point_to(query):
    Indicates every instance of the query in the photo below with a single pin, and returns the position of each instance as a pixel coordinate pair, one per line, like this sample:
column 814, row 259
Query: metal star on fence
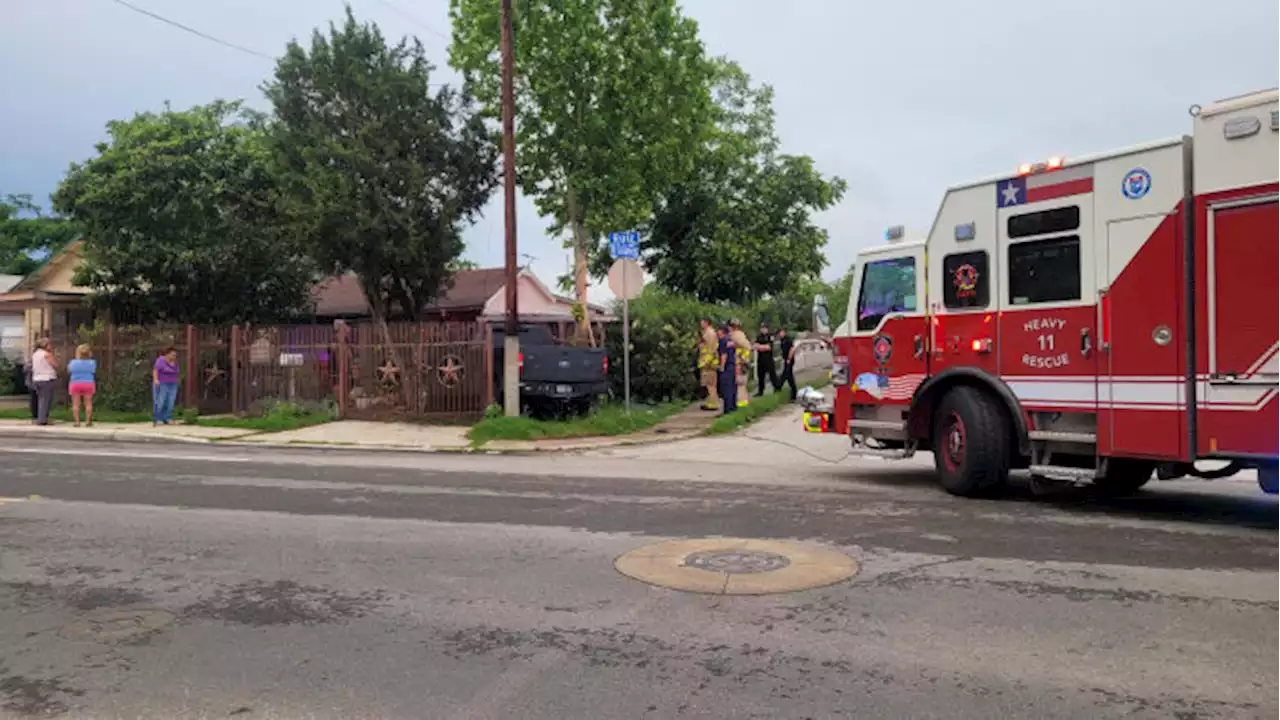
column 388, row 373
column 450, row 372
column 212, row 373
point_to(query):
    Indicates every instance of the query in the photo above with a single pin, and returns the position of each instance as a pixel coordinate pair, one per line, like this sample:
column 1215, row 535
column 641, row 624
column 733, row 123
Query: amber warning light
column 1054, row 163
column 981, row 345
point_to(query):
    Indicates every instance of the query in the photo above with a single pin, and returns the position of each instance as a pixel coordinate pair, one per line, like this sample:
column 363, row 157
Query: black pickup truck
column 554, row 379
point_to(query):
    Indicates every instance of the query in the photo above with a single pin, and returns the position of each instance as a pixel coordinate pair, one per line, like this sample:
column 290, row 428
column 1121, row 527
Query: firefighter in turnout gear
column 742, row 346
column 708, row 363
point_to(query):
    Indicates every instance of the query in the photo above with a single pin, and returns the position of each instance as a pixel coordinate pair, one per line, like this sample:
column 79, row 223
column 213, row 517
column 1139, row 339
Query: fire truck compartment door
column 1243, row 253
column 1141, row 383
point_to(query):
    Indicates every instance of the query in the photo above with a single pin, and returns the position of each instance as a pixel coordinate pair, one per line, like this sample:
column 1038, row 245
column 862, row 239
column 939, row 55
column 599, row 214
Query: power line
column 192, row 30
column 411, row 18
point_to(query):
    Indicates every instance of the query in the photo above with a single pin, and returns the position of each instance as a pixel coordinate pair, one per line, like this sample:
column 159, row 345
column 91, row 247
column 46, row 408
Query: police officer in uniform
column 742, row 346
column 727, row 366
column 708, row 363
column 787, row 347
column 764, row 361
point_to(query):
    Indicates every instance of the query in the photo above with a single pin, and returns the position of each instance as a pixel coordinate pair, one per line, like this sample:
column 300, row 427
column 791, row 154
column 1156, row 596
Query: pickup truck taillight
column 604, row 364
column 840, row 371
column 520, row 361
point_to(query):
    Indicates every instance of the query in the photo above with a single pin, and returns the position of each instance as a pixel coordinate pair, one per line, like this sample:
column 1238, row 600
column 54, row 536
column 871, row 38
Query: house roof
column 34, row 281
column 470, row 289
column 8, row 282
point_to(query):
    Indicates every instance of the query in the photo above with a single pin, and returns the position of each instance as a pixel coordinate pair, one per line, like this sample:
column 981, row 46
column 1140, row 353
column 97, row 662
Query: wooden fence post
column 234, row 369
column 111, row 350
column 344, row 367
column 488, row 365
column 192, row 399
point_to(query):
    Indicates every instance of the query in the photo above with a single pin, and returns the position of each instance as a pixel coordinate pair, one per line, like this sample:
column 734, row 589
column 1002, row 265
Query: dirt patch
column 35, row 697
column 77, row 596
column 97, row 598
column 282, row 603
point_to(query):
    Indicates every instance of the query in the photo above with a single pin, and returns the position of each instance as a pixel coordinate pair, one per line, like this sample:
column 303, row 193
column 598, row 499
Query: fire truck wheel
column 971, row 443
column 1124, row 476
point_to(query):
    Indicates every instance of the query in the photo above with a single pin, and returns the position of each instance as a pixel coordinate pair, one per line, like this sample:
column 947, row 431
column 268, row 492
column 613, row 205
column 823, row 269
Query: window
column 964, row 280
column 1043, row 271
column 1046, row 221
column 888, row 286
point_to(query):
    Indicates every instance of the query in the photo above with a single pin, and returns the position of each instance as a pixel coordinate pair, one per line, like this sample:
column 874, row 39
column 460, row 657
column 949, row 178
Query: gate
column 438, row 371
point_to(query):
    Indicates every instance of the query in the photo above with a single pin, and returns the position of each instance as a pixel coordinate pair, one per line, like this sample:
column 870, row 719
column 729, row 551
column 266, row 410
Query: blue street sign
column 624, row 244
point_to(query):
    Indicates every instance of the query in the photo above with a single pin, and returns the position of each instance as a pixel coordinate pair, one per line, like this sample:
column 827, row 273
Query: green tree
column 738, row 228
column 379, row 174
column 612, row 97
column 180, row 219
column 28, row 237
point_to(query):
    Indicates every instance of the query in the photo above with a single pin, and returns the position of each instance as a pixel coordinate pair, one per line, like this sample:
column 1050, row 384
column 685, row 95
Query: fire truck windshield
column 888, row 286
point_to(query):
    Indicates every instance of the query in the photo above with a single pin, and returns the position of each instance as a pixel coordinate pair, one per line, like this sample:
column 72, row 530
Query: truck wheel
column 971, row 443
column 1124, row 476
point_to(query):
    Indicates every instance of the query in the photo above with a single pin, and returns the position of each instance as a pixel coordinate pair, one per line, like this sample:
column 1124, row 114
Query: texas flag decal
column 1076, row 180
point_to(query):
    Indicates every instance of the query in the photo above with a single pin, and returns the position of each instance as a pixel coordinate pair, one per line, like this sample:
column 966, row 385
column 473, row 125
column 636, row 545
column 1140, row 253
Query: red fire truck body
column 1100, row 318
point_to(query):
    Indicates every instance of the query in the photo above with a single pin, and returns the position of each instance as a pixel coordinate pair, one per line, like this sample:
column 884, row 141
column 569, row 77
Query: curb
column 107, row 436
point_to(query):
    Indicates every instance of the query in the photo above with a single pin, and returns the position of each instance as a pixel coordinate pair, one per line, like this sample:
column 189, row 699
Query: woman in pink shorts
column 82, row 371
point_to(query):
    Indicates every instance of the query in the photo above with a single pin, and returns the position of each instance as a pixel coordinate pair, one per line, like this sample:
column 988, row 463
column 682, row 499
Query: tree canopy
column 612, row 97
column 739, row 226
column 378, row 173
column 28, row 237
column 180, row 220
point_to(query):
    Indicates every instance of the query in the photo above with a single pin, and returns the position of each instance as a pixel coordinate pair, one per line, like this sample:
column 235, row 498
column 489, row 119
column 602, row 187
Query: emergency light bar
column 894, row 233
column 1054, row 163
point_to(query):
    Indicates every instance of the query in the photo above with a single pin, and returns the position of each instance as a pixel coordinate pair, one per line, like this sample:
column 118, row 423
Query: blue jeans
column 163, row 396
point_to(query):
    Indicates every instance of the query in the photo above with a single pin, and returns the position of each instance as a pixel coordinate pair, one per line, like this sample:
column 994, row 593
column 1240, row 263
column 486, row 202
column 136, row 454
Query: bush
column 664, row 337
column 11, row 380
column 285, row 410
column 128, row 387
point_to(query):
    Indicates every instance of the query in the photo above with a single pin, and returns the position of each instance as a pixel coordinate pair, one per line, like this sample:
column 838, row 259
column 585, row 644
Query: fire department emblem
column 1136, row 183
column 965, row 280
column 882, row 349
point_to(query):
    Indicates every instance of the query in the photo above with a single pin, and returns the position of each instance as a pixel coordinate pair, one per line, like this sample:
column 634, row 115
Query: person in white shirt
column 44, row 372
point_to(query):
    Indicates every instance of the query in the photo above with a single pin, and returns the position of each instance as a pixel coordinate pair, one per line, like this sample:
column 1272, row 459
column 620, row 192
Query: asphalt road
column 147, row 581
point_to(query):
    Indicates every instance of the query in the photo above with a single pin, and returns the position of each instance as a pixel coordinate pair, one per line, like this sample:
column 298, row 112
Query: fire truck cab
column 1096, row 319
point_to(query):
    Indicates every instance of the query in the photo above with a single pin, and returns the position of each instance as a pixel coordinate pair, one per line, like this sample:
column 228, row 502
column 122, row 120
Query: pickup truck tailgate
column 554, row 364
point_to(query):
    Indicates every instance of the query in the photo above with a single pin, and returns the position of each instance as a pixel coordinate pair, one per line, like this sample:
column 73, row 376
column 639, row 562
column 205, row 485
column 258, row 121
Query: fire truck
column 1094, row 319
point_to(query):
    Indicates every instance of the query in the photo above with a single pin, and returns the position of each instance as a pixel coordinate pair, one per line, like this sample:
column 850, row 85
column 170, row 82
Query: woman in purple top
column 164, row 386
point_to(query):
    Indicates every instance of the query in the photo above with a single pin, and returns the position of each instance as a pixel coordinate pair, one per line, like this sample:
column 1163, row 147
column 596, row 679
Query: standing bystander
column 44, row 372
column 82, row 371
column 164, row 386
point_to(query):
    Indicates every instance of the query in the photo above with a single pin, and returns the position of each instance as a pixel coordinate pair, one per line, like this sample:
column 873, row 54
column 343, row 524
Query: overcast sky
column 899, row 98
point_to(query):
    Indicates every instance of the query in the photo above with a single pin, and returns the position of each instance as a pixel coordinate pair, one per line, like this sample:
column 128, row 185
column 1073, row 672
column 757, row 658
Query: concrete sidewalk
column 374, row 435
column 137, row 432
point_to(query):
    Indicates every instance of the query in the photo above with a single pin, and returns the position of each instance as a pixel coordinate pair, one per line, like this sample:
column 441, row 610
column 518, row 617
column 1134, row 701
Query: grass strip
column 608, row 420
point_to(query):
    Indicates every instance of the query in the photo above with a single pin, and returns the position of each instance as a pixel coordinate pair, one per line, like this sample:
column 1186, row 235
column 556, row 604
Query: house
column 473, row 295
column 43, row 302
column 11, row 335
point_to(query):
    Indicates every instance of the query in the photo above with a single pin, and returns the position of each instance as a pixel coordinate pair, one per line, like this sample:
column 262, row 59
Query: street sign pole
column 626, row 278
column 626, row 348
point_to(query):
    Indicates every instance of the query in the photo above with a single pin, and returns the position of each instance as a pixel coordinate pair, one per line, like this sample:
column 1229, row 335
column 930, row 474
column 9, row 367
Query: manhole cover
column 116, row 626
column 730, row 566
column 737, row 561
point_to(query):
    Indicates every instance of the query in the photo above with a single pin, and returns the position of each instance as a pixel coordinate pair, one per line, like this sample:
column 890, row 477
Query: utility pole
column 511, row 339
